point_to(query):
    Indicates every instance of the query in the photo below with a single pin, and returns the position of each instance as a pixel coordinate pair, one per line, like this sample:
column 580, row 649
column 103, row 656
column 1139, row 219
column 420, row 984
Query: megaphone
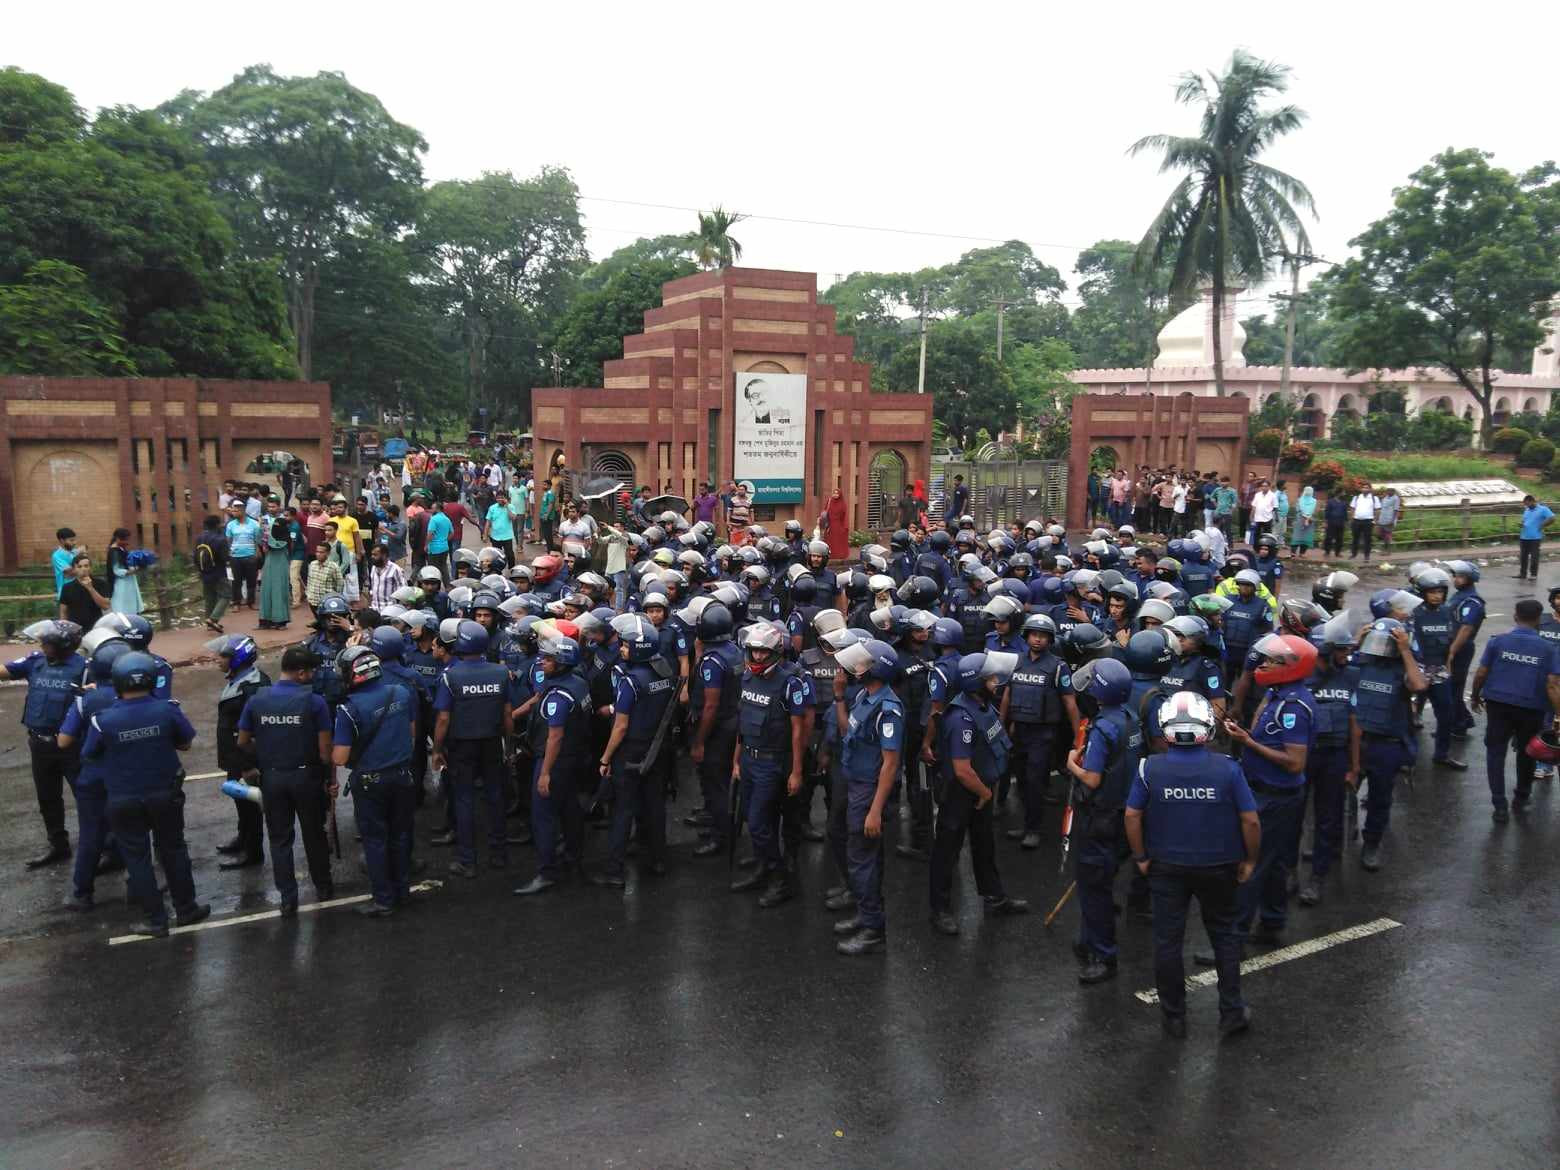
column 238, row 790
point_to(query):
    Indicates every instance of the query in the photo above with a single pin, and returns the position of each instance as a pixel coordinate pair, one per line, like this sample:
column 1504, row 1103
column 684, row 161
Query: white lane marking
column 1297, row 950
column 309, row 908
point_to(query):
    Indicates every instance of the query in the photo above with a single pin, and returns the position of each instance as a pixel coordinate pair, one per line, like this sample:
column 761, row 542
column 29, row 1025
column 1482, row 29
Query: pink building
column 1185, row 366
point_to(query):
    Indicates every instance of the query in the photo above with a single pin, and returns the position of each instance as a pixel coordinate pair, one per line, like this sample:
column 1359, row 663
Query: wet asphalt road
column 679, row 1025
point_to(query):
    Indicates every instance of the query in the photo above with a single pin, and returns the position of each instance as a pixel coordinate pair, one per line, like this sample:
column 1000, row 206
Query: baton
column 1067, row 813
column 1060, row 902
column 335, row 833
column 734, row 827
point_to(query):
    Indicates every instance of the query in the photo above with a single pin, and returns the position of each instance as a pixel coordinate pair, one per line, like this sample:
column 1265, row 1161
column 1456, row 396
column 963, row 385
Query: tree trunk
column 300, row 315
column 1218, row 294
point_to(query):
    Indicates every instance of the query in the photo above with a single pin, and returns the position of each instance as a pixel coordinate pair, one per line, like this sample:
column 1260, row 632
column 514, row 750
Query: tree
column 1315, row 335
column 50, row 323
column 1009, row 272
column 971, row 390
column 300, row 164
column 648, row 250
column 124, row 199
column 716, row 247
column 506, row 253
column 592, row 329
column 1460, row 270
column 1122, row 313
column 1231, row 213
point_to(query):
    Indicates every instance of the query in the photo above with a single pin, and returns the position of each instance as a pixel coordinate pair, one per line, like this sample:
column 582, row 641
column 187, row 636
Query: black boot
column 779, row 891
column 748, row 881
column 848, row 926
column 244, row 861
column 58, row 851
column 863, row 942
column 1099, row 970
column 231, row 846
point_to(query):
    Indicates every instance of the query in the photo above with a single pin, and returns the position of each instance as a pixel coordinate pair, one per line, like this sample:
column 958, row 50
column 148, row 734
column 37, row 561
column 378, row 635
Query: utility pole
column 1001, row 309
column 920, row 379
column 1296, row 261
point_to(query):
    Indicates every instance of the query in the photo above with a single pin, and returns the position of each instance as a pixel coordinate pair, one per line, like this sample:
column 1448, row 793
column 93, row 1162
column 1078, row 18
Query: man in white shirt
column 1178, row 508
column 1263, row 501
column 1362, row 511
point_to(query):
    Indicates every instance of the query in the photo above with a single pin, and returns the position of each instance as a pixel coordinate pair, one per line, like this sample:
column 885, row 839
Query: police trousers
column 296, row 795
column 472, row 761
column 52, row 768
column 1381, row 758
column 140, row 823
column 764, row 779
column 1282, row 814
column 715, row 781
column 557, row 815
column 956, row 817
column 838, row 831
column 1033, row 750
column 864, row 855
column 92, row 838
column 1099, row 844
column 1443, row 703
column 797, row 810
column 918, row 791
column 1215, row 887
column 1325, row 768
column 637, row 797
column 1509, row 726
column 1462, row 662
column 385, row 807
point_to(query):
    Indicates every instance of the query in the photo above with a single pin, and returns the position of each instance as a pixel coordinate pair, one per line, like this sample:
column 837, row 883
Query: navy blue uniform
column 235, row 761
column 1517, row 702
column 644, row 693
column 1285, row 718
column 556, row 818
column 970, row 729
column 1244, row 623
column 1192, row 801
column 876, row 725
column 766, row 705
column 1387, row 745
column 92, row 837
column 1332, row 693
column 1432, row 628
column 719, row 669
column 967, row 607
column 913, row 687
column 51, row 688
column 1467, row 610
column 377, row 721
column 286, row 721
column 475, row 693
column 1114, row 749
column 137, row 741
column 1037, row 717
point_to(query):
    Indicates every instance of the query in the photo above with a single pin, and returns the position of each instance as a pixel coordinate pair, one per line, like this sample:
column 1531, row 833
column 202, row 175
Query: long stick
column 1079, row 740
column 1060, row 902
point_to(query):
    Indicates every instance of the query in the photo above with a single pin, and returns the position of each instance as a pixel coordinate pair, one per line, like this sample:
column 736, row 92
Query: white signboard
column 770, row 448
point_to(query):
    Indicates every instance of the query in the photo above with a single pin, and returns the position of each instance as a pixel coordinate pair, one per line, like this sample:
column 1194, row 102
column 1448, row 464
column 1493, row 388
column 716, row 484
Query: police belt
column 391, row 773
column 1267, row 789
column 764, row 754
column 42, row 736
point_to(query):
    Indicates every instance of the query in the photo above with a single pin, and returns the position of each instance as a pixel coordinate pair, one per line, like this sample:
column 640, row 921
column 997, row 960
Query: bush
column 1296, row 457
column 1435, row 430
column 1510, row 440
column 1324, row 474
column 1267, row 443
column 1553, row 472
column 1536, row 453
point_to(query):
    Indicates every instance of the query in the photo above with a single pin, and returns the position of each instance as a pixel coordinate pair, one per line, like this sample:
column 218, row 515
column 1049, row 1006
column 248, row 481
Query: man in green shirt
column 1224, row 501
column 548, row 515
column 498, row 526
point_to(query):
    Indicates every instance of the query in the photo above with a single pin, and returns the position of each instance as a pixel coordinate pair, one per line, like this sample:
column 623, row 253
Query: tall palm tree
column 714, row 245
column 1229, row 215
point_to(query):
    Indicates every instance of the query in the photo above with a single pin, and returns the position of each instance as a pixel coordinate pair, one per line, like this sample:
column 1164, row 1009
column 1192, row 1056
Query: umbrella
column 597, row 487
column 658, row 504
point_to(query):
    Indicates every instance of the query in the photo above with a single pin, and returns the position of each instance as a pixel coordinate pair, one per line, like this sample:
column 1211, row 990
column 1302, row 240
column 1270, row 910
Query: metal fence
column 1003, row 490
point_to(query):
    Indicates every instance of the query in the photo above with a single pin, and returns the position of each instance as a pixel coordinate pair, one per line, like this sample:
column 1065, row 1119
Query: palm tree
column 714, row 245
column 1229, row 215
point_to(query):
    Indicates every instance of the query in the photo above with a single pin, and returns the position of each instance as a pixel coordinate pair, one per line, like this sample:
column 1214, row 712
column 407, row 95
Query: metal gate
column 1005, row 490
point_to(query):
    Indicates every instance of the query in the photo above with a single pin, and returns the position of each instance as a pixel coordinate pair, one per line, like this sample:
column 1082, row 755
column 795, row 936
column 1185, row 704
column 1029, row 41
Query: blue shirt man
column 1535, row 517
column 243, row 537
column 1519, row 681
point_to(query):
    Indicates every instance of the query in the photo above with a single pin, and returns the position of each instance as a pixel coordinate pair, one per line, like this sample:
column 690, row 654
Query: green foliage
column 1122, row 313
column 1296, row 457
column 301, row 164
column 971, row 390
column 1278, row 412
column 1324, row 473
column 1381, row 430
column 592, row 329
column 713, row 243
column 1231, row 213
column 1510, row 440
column 1435, row 430
column 1314, row 332
column 50, row 323
column 1536, row 453
column 1267, row 443
column 1455, row 275
column 1380, row 468
column 1045, row 395
column 648, row 250
column 1553, row 472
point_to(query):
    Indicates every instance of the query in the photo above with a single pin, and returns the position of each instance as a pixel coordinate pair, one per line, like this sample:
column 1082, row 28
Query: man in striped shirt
column 385, row 577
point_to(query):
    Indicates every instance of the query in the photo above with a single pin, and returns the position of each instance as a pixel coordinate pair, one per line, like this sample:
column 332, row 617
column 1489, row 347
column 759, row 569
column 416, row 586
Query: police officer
column 871, row 740
column 289, row 729
column 559, row 730
column 1331, row 768
column 375, row 724
column 1468, row 612
column 1192, row 826
column 53, row 675
column 967, row 606
column 241, row 664
column 1432, row 624
column 137, row 740
column 972, row 754
column 1248, row 618
column 713, row 702
column 471, row 717
column 1274, row 754
column 1037, row 705
column 1191, row 667
column 92, row 836
column 1384, row 742
column 333, row 626
column 1518, row 680
column 912, row 687
column 137, row 633
column 1103, row 769
column 638, row 751
column 772, row 707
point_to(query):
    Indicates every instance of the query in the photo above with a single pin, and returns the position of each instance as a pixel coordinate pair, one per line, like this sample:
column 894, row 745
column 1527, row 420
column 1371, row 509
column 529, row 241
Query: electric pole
column 1296, row 261
column 1001, row 310
column 920, row 379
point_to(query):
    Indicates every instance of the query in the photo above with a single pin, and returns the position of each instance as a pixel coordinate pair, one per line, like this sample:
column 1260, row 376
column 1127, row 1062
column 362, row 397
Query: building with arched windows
column 740, row 375
column 1184, row 365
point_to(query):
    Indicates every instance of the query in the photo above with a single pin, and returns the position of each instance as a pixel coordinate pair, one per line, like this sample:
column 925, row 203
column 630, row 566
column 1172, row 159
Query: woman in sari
column 127, row 591
column 1305, row 524
column 838, row 525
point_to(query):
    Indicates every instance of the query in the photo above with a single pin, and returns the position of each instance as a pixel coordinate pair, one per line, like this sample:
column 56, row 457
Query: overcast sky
column 941, row 121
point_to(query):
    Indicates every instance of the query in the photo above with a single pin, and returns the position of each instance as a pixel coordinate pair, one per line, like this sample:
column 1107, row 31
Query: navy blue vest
column 1334, row 692
column 390, row 745
column 762, row 718
column 98, row 699
column 286, row 739
column 1033, row 691
column 1434, row 628
column 653, row 690
column 50, row 689
column 991, row 743
column 575, row 747
column 861, row 753
column 1381, row 699
column 1121, row 762
column 479, row 692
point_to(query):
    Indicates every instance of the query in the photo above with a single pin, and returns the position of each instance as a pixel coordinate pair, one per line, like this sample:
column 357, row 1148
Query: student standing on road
column 1518, row 680
column 1536, row 518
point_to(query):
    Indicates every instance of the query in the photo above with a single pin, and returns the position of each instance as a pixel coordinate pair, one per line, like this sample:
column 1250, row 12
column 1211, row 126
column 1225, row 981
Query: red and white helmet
column 1187, row 719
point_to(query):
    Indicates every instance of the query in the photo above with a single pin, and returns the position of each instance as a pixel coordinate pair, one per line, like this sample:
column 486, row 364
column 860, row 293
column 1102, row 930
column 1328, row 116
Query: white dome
column 1186, row 339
